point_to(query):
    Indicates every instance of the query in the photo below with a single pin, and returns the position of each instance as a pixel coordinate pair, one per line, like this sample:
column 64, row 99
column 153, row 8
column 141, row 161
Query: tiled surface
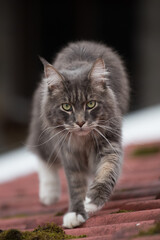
column 138, row 192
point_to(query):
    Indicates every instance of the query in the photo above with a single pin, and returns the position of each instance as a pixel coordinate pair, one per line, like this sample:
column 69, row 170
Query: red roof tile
column 137, row 192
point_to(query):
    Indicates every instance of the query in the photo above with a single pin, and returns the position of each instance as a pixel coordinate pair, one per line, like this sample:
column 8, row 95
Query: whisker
column 112, row 118
column 55, row 146
column 63, row 140
column 110, row 130
column 47, row 130
column 107, row 141
column 69, row 141
column 95, row 139
column 48, row 139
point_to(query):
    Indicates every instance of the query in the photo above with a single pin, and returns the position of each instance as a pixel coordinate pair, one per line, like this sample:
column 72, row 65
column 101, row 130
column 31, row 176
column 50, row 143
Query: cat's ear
column 99, row 73
column 51, row 74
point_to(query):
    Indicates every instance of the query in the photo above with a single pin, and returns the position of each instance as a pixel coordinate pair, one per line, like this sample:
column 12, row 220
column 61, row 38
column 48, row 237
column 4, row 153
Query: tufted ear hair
column 99, row 73
column 52, row 76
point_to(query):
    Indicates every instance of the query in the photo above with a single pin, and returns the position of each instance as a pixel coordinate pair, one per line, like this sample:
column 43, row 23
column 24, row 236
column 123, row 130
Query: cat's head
column 77, row 99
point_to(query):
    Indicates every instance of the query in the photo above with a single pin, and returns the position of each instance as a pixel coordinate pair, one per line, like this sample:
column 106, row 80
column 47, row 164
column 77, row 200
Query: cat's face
column 78, row 105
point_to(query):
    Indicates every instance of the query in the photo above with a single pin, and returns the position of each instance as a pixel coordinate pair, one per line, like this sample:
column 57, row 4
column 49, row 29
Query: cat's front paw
column 89, row 206
column 72, row 219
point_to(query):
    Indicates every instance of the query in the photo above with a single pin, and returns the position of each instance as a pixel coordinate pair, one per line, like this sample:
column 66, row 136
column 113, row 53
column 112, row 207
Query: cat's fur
column 87, row 142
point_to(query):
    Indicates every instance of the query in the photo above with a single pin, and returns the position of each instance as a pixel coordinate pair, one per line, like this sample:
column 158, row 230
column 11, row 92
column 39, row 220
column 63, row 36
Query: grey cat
column 76, row 123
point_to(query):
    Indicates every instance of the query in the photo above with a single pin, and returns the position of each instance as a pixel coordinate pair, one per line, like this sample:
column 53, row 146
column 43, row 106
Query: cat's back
column 81, row 51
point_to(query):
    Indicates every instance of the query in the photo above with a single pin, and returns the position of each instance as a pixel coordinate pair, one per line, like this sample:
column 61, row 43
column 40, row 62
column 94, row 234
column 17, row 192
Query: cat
column 76, row 123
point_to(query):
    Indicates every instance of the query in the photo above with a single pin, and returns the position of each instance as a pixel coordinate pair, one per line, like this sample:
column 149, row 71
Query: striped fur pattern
column 85, row 141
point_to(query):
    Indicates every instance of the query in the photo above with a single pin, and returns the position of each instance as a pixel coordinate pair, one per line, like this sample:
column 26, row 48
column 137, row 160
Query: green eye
column 67, row 106
column 91, row 104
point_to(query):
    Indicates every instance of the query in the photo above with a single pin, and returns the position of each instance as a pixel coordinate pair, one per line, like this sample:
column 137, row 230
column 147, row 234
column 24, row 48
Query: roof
column 134, row 205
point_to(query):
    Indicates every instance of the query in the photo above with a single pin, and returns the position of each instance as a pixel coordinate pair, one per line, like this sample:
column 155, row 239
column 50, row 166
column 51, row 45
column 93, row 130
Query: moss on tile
column 151, row 231
column 145, row 151
column 46, row 232
column 11, row 234
column 122, row 211
column 21, row 215
column 57, row 214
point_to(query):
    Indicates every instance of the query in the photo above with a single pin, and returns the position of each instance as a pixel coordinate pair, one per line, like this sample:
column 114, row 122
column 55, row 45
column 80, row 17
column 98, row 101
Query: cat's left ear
column 99, row 73
column 51, row 74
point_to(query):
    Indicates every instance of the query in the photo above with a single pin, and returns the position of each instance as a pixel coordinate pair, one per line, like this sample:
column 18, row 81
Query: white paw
column 48, row 194
column 72, row 219
column 49, row 184
column 90, row 207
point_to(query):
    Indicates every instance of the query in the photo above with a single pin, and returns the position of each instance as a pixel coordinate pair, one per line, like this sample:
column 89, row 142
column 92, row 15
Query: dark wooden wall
column 31, row 28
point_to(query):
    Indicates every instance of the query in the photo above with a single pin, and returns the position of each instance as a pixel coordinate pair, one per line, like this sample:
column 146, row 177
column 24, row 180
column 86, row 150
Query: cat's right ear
column 99, row 74
column 52, row 76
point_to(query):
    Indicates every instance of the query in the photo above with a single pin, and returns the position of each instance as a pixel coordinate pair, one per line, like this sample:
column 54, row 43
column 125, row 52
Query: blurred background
column 32, row 28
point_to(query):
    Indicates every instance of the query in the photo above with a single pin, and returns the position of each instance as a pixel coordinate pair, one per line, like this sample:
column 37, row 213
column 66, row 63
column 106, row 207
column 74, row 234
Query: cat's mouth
column 82, row 132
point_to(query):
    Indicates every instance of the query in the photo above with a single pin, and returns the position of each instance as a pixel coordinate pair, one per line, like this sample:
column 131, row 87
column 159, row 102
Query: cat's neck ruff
column 81, row 141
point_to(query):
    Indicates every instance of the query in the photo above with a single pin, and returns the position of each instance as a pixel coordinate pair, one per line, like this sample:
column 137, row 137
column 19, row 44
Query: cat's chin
column 82, row 132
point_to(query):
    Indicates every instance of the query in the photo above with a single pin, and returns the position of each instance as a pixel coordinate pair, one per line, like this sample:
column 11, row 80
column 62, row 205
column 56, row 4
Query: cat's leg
column 77, row 184
column 49, row 183
column 108, row 171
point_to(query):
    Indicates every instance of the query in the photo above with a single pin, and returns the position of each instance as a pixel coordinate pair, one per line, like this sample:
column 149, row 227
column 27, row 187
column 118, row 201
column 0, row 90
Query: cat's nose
column 80, row 123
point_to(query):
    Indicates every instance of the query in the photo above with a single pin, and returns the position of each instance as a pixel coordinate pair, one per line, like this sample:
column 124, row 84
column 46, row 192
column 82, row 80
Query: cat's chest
column 82, row 144
column 84, row 151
